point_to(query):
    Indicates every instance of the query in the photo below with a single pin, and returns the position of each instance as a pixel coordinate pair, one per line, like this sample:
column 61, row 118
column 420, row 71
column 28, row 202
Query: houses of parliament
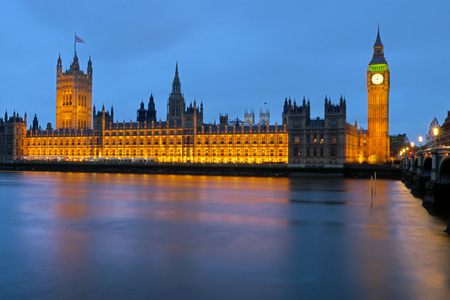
column 83, row 132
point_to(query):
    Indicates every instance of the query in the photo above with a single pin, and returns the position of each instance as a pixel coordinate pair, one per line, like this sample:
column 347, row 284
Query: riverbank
column 263, row 170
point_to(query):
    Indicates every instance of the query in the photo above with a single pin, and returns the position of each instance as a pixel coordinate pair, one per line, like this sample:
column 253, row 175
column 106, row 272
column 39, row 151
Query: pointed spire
column 378, row 51
column 176, row 85
column 378, row 42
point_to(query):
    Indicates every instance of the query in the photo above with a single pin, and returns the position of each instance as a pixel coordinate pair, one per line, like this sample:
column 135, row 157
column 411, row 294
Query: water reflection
column 90, row 236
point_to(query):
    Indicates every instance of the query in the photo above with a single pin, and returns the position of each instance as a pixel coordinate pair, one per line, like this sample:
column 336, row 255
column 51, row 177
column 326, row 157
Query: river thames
column 125, row 236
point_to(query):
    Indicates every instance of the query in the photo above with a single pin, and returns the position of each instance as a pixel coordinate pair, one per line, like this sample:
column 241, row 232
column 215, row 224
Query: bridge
column 427, row 173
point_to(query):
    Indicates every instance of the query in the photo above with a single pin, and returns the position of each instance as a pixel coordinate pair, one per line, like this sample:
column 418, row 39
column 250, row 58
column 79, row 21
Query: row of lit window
column 314, row 139
column 67, row 99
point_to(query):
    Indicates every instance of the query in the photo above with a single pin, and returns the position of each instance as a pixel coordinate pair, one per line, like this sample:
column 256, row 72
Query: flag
column 78, row 40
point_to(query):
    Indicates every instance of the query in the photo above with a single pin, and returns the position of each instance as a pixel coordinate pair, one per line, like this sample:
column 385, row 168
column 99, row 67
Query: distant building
column 223, row 120
column 398, row 143
column 13, row 131
column 249, row 117
column 237, row 122
column 430, row 138
column 443, row 137
column 264, row 117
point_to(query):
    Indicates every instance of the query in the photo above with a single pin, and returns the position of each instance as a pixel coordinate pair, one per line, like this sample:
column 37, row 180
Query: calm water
column 113, row 236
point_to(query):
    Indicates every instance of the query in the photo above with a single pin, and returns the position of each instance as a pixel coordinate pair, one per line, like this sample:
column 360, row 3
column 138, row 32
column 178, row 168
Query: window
column 333, row 151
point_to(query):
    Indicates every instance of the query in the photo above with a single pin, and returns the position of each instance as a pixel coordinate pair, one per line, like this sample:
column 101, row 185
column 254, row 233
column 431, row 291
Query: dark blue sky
column 232, row 55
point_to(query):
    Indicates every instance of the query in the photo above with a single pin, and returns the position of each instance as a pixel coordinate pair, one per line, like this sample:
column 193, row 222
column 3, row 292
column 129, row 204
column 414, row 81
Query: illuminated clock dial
column 377, row 78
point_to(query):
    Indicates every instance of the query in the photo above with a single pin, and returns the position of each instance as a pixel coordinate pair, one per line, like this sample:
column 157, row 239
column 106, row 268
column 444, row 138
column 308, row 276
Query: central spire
column 176, row 85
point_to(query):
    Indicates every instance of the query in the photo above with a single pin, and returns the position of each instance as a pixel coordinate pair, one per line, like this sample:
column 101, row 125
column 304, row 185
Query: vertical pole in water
column 375, row 183
column 371, row 191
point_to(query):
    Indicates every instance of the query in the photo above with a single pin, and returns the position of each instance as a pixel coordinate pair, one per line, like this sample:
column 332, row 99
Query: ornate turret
column 59, row 65
column 89, row 68
column 35, row 123
column 75, row 65
column 141, row 113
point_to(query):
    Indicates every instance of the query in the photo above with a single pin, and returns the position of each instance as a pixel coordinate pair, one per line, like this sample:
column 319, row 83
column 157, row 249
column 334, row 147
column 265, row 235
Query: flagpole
column 75, row 45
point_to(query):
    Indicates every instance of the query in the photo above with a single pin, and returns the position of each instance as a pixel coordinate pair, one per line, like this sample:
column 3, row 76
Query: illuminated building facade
column 82, row 133
column 161, row 141
column 378, row 84
column 73, row 96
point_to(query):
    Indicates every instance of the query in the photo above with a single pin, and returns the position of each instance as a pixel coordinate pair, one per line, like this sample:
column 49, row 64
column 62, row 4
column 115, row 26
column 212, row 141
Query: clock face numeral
column 377, row 78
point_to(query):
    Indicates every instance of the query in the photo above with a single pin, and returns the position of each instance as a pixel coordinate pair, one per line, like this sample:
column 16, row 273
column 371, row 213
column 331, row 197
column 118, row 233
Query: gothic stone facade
column 184, row 137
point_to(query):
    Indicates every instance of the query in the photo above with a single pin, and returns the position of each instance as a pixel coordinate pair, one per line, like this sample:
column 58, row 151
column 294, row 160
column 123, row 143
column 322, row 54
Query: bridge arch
column 415, row 165
column 427, row 166
column 444, row 170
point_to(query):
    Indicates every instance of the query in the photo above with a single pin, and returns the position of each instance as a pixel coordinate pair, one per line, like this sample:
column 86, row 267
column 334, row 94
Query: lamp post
column 435, row 132
column 420, row 141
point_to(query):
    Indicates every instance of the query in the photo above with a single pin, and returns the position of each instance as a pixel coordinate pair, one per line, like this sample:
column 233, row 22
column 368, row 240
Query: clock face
column 377, row 78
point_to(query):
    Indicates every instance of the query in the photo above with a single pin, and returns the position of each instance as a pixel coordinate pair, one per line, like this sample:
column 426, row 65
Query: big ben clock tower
column 378, row 104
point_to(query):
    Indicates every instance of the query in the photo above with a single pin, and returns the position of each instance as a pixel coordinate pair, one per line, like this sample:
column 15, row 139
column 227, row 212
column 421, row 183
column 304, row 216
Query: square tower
column 73, row 96
column 378, row 83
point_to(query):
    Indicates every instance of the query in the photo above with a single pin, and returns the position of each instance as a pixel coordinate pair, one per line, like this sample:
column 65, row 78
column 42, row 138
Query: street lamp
column 420, row 141
column 435, row 132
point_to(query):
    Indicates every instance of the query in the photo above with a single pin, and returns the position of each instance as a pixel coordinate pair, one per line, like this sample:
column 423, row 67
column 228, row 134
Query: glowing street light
column 420, row 140
column 435, row 132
